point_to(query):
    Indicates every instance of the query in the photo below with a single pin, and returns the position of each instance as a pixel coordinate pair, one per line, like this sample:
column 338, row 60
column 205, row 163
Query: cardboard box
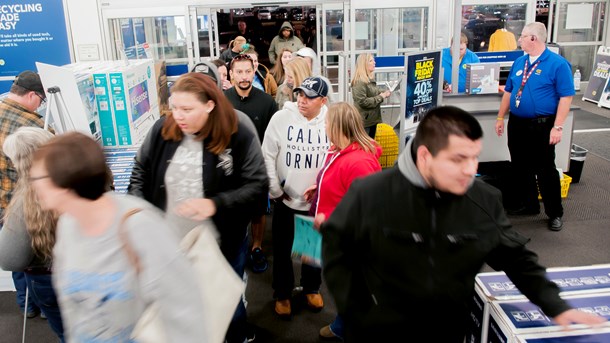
column 514, row 318
column 128, row 102
column 597, row 335
column 482, row 78
column 496, row 286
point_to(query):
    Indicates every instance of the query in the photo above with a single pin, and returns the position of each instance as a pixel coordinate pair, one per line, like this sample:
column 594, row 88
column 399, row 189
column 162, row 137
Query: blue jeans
column 43, row 295
column 337, row 326
column 20, row 286
column 237, row 256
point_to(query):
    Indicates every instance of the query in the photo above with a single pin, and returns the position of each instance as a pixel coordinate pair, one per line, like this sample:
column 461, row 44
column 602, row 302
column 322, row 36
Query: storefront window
column 150, row 37
column 414, row 28
column 493, row 27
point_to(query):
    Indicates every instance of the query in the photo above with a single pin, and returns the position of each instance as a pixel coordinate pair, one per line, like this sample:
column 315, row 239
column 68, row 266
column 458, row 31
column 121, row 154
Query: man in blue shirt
column 538, row 92
column 466, row 57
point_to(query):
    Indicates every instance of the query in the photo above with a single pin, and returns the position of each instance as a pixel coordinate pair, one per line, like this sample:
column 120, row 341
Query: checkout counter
column 485, row 108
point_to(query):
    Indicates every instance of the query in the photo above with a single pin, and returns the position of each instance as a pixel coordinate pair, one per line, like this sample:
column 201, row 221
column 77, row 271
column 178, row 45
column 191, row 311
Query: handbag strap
column 132, row 256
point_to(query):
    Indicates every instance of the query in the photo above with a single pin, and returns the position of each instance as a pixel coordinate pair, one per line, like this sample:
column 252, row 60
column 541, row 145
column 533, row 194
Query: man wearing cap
column 294, row 146
column 16, row 110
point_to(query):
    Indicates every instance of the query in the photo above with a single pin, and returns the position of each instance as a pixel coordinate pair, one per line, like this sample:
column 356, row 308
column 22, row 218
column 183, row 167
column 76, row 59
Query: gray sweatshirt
column 99, row 293
column 16, row 251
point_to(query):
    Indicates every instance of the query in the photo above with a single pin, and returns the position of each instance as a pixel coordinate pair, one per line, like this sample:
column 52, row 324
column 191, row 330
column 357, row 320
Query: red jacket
column 340, row 169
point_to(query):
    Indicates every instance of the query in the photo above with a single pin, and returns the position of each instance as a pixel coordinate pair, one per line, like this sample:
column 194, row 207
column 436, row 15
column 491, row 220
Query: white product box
column 482, row 78
column 128, row 103
column 496, row 286
column 596, row 335
column 513, row 318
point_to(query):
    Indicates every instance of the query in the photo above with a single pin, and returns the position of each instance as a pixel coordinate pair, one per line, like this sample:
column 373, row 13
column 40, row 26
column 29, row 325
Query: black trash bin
column 578, row 155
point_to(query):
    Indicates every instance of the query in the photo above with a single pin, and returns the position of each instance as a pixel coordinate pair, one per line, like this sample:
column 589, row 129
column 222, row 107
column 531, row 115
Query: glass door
column 579, row 29
column 332, row 44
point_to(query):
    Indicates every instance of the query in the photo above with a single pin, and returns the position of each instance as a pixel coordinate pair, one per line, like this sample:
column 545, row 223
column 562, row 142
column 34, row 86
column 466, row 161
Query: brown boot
column 282, row 308
column 315, row 302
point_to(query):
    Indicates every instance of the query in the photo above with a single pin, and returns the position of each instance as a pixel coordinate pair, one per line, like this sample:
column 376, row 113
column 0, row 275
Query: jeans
column 337, row 326
column 43, row 295
column 20, row 286
column 236, row 256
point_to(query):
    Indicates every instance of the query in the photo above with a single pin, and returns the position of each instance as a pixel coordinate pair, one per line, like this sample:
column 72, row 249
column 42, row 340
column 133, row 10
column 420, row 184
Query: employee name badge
column 517, row 101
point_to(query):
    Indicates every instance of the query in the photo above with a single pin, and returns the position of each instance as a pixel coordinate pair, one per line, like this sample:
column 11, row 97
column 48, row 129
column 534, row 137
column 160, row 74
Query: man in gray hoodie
column 285, row 39
column 409, row 241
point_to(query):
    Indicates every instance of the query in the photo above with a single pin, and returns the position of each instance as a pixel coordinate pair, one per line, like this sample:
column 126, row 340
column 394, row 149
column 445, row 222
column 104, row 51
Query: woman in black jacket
column 203, row 167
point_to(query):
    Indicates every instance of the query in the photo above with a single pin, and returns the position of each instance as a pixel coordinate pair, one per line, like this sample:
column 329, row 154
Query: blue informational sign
column 32, row 31
column 423, row 74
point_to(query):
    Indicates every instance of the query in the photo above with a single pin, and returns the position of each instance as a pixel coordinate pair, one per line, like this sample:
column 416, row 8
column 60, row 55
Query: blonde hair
column 238, row 40
column 40, row 224
column 362, row 73
column 345, row 125
column 300, row 71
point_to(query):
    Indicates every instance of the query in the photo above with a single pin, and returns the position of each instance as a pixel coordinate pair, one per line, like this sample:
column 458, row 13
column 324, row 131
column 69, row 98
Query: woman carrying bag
column 201, row 166
column 101, row 295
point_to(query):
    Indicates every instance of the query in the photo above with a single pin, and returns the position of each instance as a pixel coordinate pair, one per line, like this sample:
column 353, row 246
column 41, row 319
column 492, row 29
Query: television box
column 133, row 107
column 597, row 335
column 513, row 318
column 482, row 78
column 497, row 286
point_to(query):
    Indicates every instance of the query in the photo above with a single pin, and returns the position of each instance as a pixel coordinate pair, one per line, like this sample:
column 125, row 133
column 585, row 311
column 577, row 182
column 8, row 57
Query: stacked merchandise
column 482, row 78
column 86, row 90
column 388, row 140
column 120, row 161
column 127, row 102
column 500, row 310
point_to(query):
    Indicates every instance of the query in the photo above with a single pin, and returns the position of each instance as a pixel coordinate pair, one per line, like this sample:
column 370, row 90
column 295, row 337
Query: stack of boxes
column 500, row 313
column 122, row 102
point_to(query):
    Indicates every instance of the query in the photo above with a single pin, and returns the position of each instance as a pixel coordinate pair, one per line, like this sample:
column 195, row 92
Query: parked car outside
column 264, row 14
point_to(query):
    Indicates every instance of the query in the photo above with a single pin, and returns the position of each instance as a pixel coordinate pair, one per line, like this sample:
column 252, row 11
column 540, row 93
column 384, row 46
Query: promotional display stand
column 599, row 76
column 422, row 90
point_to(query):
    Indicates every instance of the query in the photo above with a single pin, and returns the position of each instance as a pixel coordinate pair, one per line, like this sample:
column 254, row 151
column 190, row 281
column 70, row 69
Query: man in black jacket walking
column 259, row 106
column 402, row 249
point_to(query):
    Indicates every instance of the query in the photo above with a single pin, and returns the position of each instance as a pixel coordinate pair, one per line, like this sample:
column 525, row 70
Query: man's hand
column 499, row 127
column 578, row 317
column 555, row 136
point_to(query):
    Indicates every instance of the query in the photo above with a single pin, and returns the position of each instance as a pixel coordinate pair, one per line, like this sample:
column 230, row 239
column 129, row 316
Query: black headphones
column 533, row 38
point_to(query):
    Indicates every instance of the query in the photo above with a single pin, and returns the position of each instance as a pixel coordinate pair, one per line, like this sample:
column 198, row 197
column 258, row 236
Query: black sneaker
column 258, row 261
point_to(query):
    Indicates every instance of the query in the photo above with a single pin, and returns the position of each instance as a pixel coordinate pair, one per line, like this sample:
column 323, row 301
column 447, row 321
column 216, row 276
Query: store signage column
column 31, row 31
column 422, row 80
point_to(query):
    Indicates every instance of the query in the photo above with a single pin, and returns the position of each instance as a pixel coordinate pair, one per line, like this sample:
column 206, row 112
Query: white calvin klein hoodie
column 294, row 150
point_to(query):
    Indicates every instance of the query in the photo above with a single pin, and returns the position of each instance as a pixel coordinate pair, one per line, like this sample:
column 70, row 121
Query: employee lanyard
column 526, row 76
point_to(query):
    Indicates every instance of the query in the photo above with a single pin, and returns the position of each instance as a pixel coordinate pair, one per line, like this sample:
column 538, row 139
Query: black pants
column 533, row 159
column 282, row 229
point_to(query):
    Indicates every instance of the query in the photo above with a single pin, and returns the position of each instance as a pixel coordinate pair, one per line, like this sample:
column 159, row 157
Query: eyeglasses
column 42, row 99
column 36, row 178
column 242, row 57
column 525, row 36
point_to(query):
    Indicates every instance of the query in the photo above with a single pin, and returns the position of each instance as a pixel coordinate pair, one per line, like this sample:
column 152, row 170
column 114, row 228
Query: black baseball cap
column 313, row 87
column 31, row 81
